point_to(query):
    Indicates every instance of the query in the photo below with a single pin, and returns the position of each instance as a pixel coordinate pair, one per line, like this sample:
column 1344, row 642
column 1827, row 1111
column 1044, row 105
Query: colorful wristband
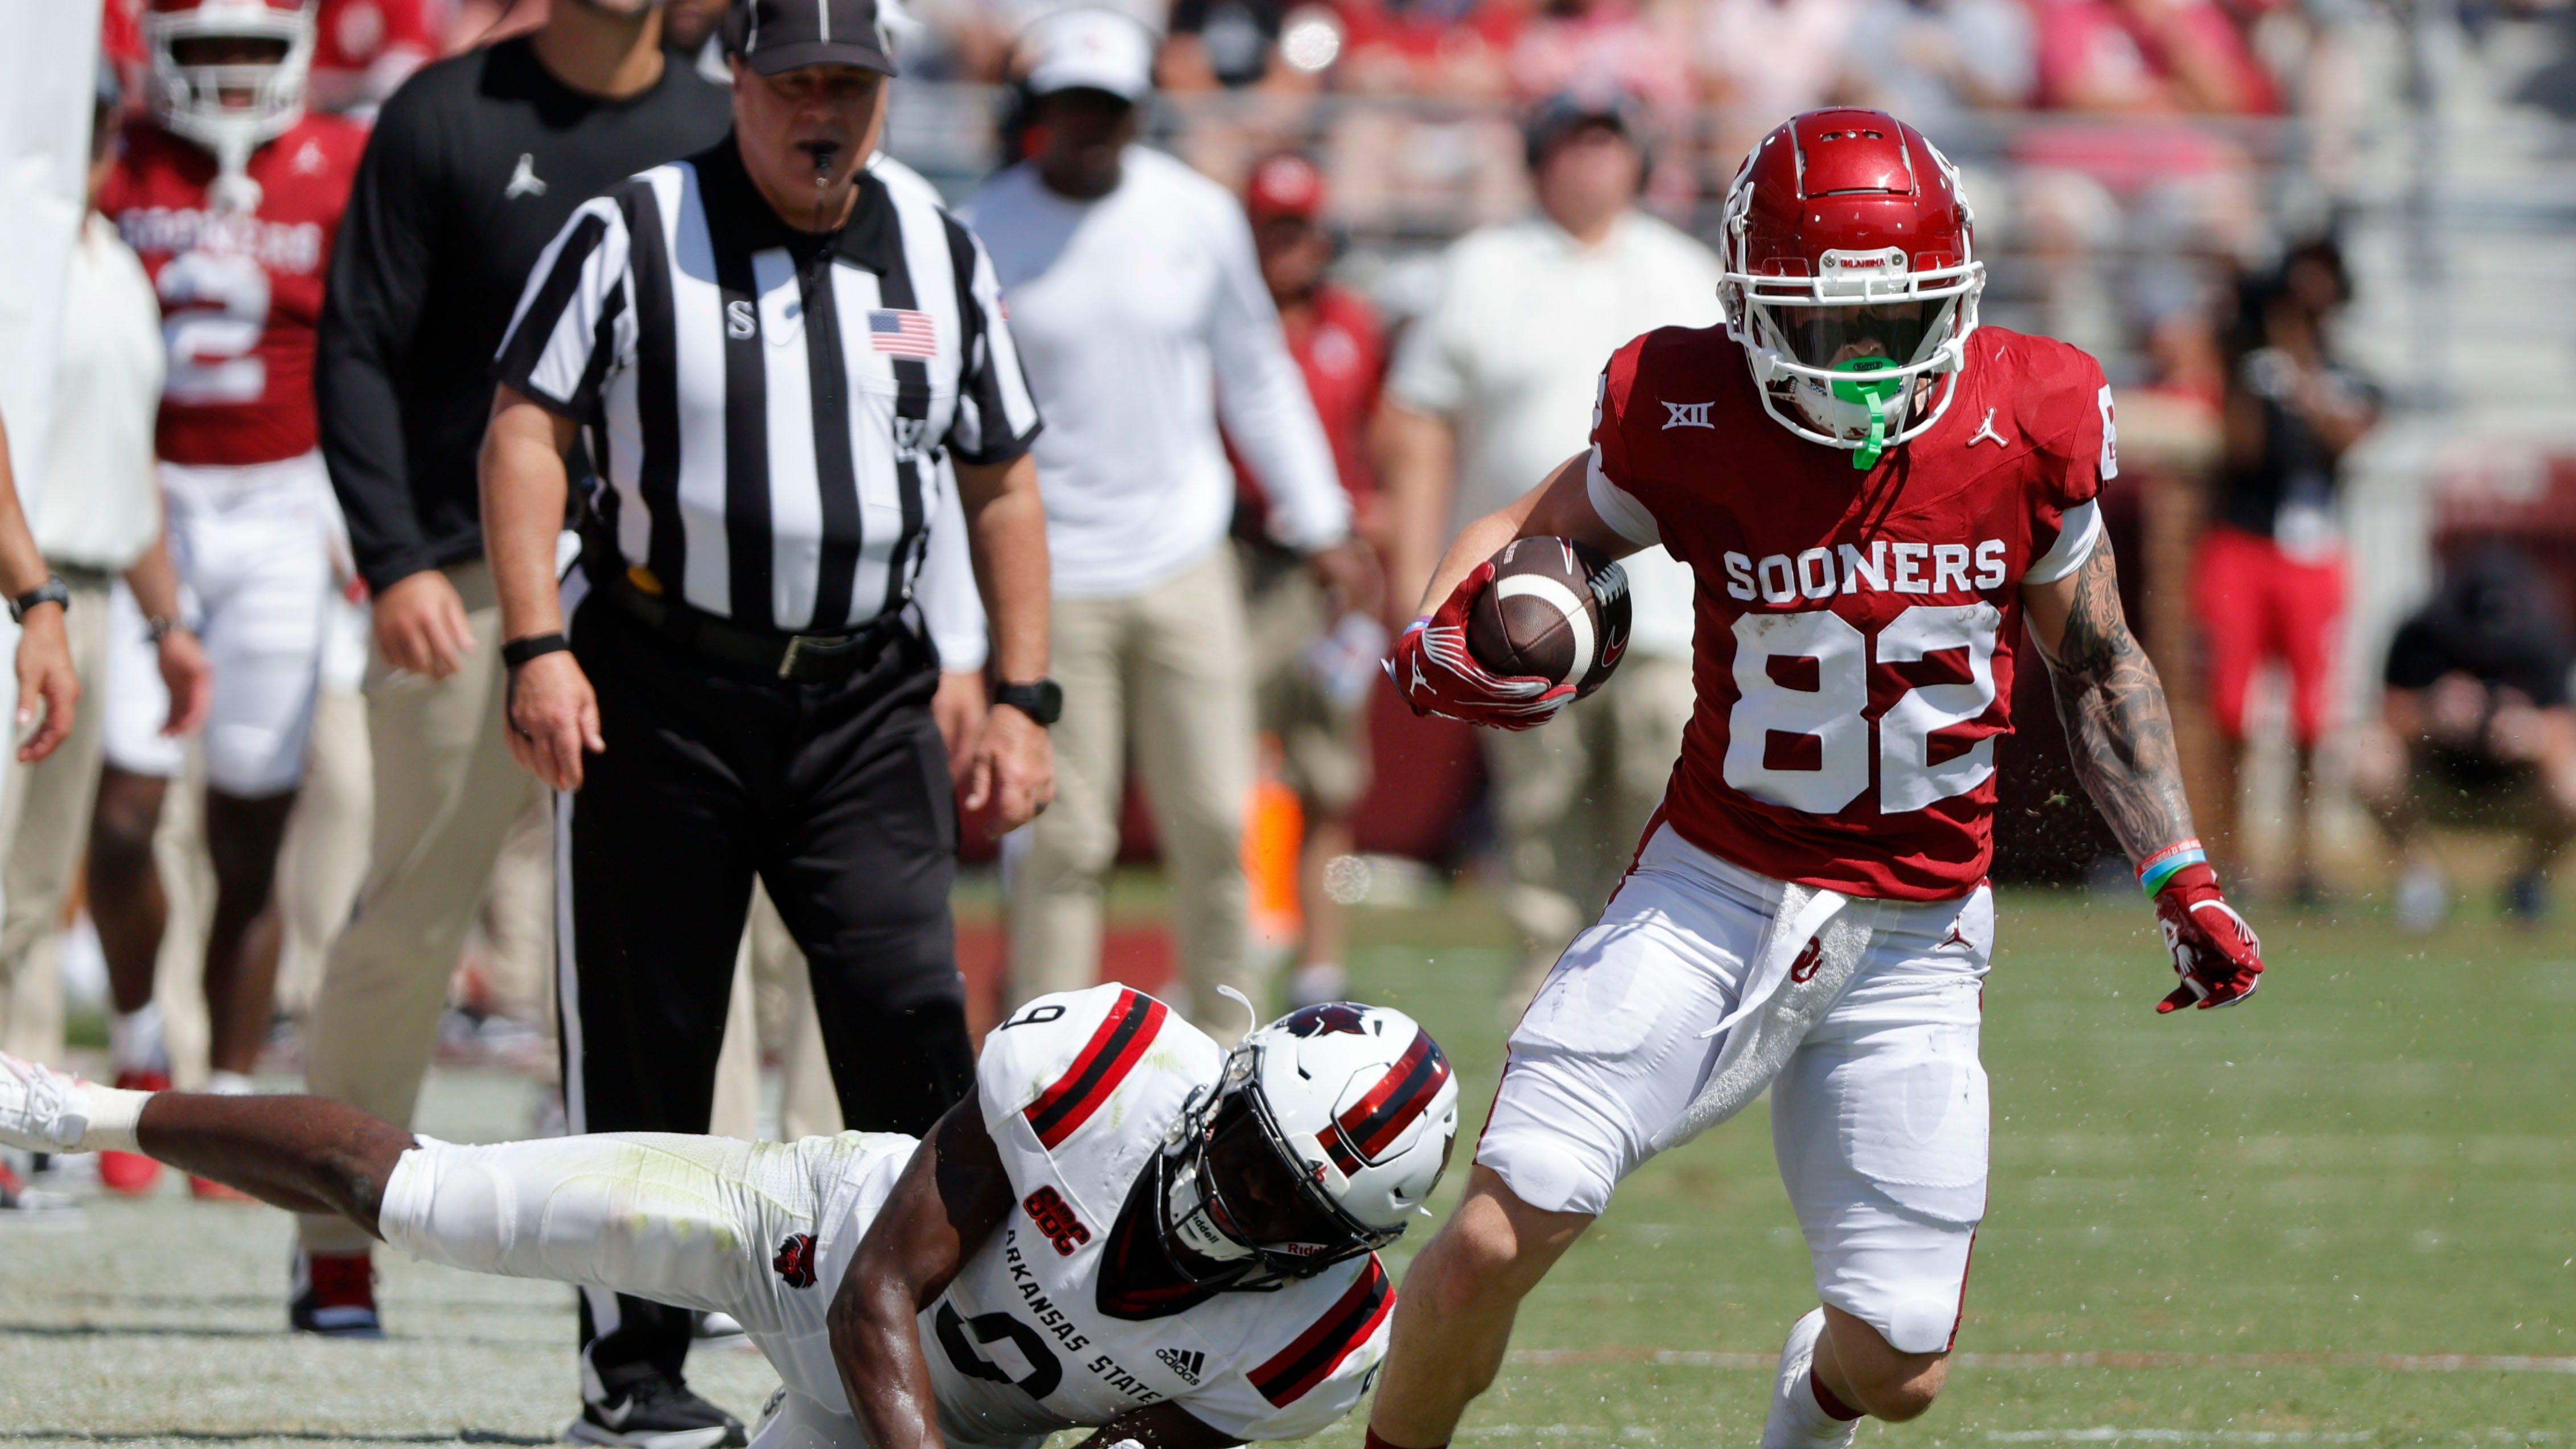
column 2165, row 864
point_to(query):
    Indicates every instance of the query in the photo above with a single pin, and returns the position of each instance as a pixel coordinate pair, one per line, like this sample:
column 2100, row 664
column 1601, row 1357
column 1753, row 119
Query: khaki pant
column 1572, row 797
column 446, row 795
column 44, row 822
column 323, row 859
column 1171, row 670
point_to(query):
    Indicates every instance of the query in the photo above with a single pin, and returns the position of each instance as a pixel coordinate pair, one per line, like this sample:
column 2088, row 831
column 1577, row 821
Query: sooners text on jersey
column 241, row 294
column 1855, row 630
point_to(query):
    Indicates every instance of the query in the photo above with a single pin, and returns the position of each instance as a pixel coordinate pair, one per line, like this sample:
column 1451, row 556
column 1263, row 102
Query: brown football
column 1556, row 608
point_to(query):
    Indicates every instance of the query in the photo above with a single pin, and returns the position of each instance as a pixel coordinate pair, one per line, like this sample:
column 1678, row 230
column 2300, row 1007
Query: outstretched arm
column 2113, row 705
column 951, row 1197
column 2119, row 733
column 304, row 1154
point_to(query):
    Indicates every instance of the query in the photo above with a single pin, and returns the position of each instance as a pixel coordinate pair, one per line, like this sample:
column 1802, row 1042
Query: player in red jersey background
column 1875, row 494
column 230, row 193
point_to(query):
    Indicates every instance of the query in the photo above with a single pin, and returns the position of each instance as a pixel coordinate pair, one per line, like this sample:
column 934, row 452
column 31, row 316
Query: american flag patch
column 903, row 333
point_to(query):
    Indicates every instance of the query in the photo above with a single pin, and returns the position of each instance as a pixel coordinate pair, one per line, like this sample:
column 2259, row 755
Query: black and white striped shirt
column 766, row 407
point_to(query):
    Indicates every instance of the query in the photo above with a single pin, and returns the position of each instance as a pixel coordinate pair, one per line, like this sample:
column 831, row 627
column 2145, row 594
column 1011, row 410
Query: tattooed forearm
column 2118, row 730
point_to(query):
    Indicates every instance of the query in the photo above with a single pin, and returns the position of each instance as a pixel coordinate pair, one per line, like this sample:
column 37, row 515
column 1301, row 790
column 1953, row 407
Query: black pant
column 837, row 796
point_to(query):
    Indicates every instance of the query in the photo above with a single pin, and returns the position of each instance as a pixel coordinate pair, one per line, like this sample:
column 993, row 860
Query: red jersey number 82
column 1834, row 712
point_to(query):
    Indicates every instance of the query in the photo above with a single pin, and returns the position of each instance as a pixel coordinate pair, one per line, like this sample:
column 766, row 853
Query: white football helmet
column 1327, row 1133
column 189, row 95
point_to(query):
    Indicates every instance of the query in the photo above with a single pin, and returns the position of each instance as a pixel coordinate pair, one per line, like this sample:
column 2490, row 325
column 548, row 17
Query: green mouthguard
column 1878, row 393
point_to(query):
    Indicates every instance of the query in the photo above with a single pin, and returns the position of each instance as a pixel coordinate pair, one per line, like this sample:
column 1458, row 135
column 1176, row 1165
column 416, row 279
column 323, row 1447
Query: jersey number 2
column 1833, row 712
column 214, row 308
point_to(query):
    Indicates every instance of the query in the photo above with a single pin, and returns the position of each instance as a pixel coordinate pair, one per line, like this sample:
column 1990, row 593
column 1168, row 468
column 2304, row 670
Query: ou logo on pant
column 1046, row 1371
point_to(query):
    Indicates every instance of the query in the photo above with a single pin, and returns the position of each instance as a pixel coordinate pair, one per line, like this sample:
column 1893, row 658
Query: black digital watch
column 1041, row 700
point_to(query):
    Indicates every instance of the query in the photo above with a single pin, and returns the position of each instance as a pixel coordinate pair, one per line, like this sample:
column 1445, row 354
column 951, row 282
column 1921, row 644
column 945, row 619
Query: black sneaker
column 648, row 1410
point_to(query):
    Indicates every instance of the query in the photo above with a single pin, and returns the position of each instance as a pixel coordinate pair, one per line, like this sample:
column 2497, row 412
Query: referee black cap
column 773, row 36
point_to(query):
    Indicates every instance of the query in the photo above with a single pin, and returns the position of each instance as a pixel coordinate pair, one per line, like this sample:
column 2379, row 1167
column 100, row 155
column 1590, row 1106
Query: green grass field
column 2344, row 1214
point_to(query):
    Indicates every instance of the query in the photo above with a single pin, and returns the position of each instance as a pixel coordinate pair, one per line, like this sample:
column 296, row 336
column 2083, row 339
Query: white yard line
column 2401, row 1363
column 2105, row 1434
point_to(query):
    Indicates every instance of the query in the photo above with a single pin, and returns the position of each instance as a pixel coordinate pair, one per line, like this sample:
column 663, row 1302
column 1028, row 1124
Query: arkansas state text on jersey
column 241, row 293
column 1855, row 631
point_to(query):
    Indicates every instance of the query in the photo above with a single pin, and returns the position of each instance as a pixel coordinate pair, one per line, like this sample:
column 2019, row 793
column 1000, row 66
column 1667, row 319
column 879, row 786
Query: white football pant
column 253, row 548
column 1878, row 1118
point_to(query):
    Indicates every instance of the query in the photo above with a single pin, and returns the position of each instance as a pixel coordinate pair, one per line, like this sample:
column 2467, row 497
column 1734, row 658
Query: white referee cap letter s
column 1099, row 50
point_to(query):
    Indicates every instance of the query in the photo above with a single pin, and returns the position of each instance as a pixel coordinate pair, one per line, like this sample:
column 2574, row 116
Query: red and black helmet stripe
column 1406, row 1091
column 1113, row 1052
column 1298, row 1368
column 1338, row 1148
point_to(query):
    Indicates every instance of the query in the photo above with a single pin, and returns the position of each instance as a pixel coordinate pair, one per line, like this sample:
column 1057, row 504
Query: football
column 1556, row 608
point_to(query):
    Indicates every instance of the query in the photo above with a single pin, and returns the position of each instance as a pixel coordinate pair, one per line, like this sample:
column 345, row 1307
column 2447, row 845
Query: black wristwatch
column 51, row 591
column 530, row 646
column 1041, row 700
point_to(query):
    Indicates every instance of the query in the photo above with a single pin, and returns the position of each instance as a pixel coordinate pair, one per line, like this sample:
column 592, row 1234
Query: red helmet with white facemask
column 1851, row 278
column 228, row 74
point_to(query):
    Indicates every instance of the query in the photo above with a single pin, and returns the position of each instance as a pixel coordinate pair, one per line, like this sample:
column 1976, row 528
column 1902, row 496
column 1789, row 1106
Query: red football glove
column 1435, row 672
column 2214, row 951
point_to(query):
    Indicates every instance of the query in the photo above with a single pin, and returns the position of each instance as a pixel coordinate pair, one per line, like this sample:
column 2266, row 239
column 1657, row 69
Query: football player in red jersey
column 231, row 195
column 1876, row 493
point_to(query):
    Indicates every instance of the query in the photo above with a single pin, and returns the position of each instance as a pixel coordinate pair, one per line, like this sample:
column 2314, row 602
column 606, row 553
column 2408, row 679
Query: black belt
column 802, row 658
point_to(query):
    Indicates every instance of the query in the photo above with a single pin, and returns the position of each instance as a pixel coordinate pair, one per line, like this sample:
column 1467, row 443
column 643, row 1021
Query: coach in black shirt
column 766, row 348
column 471, row 169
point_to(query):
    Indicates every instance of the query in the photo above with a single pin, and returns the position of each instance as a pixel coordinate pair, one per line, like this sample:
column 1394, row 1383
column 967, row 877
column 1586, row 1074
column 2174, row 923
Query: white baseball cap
column 1099, row 50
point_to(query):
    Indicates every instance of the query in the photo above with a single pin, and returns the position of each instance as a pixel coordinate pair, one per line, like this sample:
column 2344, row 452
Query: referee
column 767, row 347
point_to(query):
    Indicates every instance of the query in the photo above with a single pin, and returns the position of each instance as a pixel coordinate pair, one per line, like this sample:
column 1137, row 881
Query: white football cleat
column 1797, row 1421
column 41, row 1110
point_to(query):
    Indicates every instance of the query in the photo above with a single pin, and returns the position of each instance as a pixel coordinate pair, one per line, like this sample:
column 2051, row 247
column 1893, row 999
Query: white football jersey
column 1079, row 1091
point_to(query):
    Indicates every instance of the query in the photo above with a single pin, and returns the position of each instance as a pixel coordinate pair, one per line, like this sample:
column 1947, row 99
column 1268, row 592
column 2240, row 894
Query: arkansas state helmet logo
column 1332, row 1016
column 795, row 1261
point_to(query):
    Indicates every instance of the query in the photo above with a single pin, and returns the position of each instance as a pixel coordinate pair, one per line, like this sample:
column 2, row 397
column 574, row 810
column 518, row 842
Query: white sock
column 134, row 1038
column 230, row 1084
column 113, row 1113
column 1799, row 1422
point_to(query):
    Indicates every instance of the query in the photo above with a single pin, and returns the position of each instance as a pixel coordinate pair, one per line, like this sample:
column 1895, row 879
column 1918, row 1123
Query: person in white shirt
column 1494, row 386
column 1142, row 319
column 95, row 511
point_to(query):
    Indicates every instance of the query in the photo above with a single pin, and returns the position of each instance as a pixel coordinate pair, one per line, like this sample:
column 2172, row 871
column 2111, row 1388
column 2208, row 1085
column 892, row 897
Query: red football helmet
column 228, row 74
column 1851, row 278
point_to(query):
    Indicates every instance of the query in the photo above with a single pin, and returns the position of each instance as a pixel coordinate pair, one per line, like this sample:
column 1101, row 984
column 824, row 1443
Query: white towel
column 1779, row 1007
